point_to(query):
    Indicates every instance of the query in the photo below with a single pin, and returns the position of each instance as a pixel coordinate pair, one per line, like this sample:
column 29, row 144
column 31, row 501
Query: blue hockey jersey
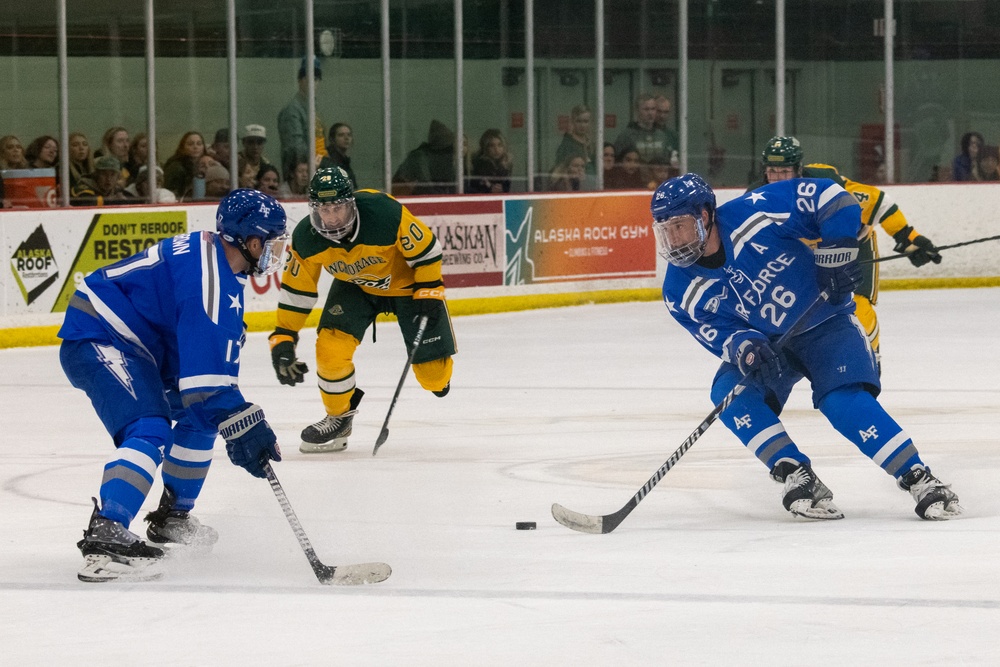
column 768, row 278
column 179, row 304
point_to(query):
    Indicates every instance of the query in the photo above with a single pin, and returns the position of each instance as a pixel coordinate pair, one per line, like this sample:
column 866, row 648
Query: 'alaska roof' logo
column 34, row 266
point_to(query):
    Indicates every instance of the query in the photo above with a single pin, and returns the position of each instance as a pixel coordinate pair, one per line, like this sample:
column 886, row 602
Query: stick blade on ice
column 584, row 523
column 355, row 574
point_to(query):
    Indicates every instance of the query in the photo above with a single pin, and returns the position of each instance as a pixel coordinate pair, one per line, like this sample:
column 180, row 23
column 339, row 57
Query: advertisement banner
column 469, row 233
column 585, row 238
column 114, row 236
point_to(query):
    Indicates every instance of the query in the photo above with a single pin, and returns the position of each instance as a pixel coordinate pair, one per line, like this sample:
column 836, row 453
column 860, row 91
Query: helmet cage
column 680, row 239
column 333, row 220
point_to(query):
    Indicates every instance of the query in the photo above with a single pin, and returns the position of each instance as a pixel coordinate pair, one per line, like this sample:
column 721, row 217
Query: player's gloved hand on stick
column 757, row 355
column 428, row 298
column 250, row 442
column 919, row 250
column 837, row 268
column 289, row 370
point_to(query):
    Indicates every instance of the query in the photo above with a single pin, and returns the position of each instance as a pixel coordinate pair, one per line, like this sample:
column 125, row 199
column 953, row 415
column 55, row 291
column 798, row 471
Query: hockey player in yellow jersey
column 782, row 159
column 383, row 259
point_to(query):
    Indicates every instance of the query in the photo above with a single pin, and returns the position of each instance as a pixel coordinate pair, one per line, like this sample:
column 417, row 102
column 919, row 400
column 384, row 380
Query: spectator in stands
column 104, row 189
column 180, row 169
column 337, row 147
column 568, row 175
column 247, row 177
column 293, row 123
column 642, row 134
column 216, row 182
column 296, row 183
column 220, row 148
column 608, row 156
column 430, row 167
column 491, row 165
column 12, row 153
column 42, row 153
column 115, row 142
column 138, row 155
column 989, row 163
column 578, row 140
column 627, row 172
column 81, row 160
column 140, row 187
column 658, row 171
column 254, row 138
column 268, row 181
column 965, row 166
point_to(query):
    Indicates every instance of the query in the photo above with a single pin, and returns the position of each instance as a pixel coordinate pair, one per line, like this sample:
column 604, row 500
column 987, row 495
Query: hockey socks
column 860, row 418
column 759, row 429
column 128, row 476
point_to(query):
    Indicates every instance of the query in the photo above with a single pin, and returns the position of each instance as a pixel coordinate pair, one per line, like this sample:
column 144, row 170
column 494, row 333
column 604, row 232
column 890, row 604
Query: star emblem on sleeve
column 235, row 299
column 754, row 197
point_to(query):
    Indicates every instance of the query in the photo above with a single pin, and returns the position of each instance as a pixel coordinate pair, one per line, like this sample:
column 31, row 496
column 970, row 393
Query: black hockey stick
column 384, row 435
column 587, row 523
column 358, row 573
column 937, row 249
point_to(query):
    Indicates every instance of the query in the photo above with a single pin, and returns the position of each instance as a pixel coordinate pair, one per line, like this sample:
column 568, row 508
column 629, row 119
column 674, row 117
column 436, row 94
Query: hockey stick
column 587, row 523
column 384, row 435
column 358, row 573
column 937, row 249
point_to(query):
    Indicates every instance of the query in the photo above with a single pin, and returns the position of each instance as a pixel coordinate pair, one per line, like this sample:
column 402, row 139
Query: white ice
column 577, row 406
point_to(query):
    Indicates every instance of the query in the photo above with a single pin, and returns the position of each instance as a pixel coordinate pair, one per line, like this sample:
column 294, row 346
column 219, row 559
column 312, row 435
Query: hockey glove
column 757, row 356
column 428, row 298
column 289, row 370
column 919, row 250
column 250, row 442
column 837, row 268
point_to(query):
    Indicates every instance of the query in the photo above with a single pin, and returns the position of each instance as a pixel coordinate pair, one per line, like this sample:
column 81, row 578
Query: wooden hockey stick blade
column 352, row 575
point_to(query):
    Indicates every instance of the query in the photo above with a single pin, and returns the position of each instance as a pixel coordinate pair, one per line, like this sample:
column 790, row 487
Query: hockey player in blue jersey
column 738, row 277
column 154, row 340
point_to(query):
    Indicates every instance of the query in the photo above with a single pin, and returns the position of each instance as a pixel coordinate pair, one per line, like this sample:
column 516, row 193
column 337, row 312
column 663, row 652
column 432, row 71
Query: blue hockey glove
column 837, row 268
column 290, row 371
column 757, row 356
column 919, row 249
column 250, row 442
column 428, row 298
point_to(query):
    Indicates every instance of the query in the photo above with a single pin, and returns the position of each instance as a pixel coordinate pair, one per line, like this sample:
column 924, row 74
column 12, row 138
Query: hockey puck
column 525, row 525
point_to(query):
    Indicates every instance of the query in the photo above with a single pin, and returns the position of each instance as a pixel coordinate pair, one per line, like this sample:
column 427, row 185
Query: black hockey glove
column 289, row 370
column 428, row 298
column 837, row 268
column 757, row 355
column 919, row 250
column 250, row 442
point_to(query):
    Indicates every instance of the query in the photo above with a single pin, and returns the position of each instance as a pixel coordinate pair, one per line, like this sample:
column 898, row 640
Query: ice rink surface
column 574, row 405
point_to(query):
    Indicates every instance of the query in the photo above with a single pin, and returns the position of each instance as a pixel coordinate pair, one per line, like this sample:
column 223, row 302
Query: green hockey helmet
column 782, row 152
column 332, row 210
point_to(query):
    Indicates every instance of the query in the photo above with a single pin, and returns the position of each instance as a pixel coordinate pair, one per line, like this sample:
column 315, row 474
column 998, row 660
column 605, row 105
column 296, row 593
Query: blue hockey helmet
column 678, row 224
column 246, row 213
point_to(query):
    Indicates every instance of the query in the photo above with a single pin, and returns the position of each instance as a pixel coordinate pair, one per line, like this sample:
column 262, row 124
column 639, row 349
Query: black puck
column 525, row 525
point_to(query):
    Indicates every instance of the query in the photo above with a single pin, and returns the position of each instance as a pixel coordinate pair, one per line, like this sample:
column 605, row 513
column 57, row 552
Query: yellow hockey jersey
column 389, row 250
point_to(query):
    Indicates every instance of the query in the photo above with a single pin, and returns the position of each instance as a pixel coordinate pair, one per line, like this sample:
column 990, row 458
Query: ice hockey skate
column 804, row 494
column 330, row 433
column 935, row 499
column 112, row 553
column 171, row 526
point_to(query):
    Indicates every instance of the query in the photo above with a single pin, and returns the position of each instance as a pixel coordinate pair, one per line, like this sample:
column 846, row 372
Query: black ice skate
column 443, row 392
column 112, row 553
column 935, row 499
column 168, row 525
column 804, row 494
column 330, row 433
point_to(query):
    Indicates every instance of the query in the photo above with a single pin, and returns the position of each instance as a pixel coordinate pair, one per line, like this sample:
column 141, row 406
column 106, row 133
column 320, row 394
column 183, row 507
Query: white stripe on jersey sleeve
column 827, row 195
column 152, row 257
column 692, row 295
column 111, row 317
column 304, row 301
column 209, row 278
column 881, row 211
column 434, row 252
column 207, row 382
column 747, row 230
